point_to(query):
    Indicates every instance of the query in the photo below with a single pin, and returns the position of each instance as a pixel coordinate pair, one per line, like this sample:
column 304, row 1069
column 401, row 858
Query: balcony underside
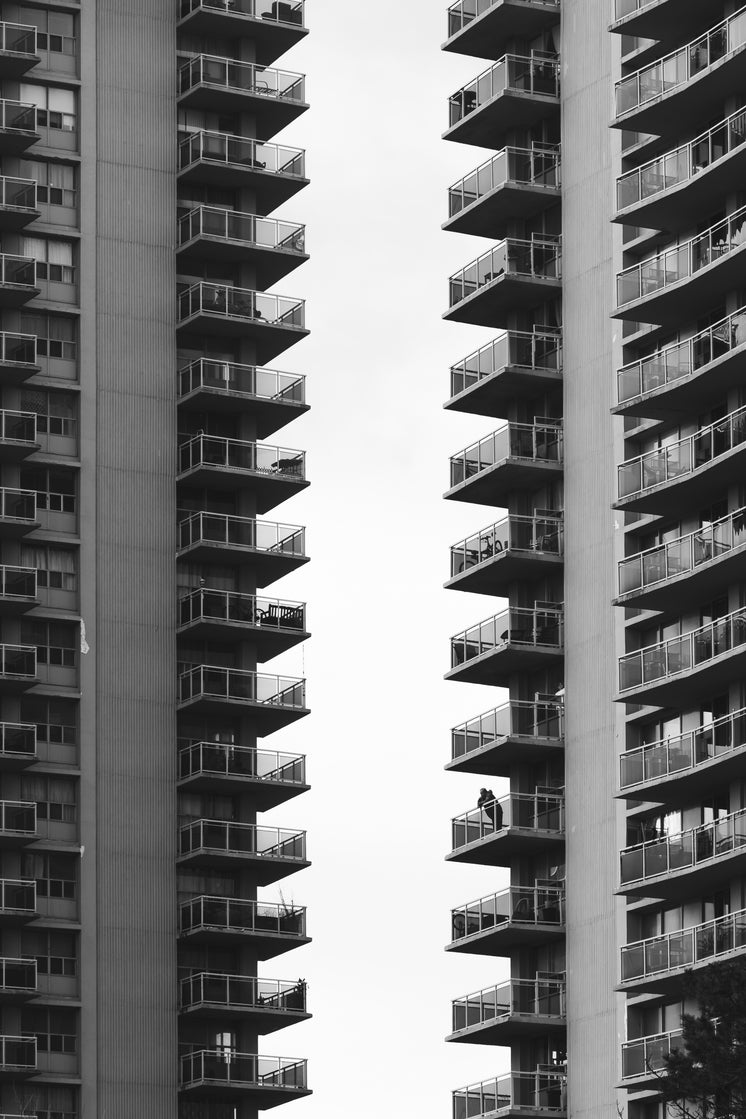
column 494, row 575
column 268, row 567
column 9, row 918
column 659, row 19
column 692, row 490
column 265, row 717
column 13, row 450
column 491, row 395
column 498, row 758
column 13, row 141
column 265, row 794
column 692, row 392
column 262, row 1019
column 16, row 1072
column 271, row 114
column 269, row 414
column 501, row 847
column 677, row 592
column 17, row 295
column 270, row 339
column 648, row 1079
column 14, row 64
column 263, row 870
column 270, row 188
column 488, row 125
column 704, row 878
column 512, row 1027
column 705, row 679
column 491, row 34
column 673, row 981
column 684, row 300
column 501, row 940
column 684, row 786
column 10, row 762
column 269, row 265
column 268, row 640
column 270, row 38
column 269, row 490
column 14, row 841
column 494, row 303
column 16, row 604
column 492, row 215
column 10, row 995
column 264, row 945
column 14, row 685
column 262, row 1098
column 13, row 218
column 16, row 372
column 498, row 665
column 495, row 484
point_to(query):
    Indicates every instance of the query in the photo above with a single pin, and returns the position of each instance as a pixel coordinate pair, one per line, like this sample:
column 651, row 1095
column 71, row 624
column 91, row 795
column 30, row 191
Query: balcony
column 272, row 322
column 518, row 1094
column 17, row 280
column 679, row 769
column 266, row 854
column 265, row 929
column 656, row 19
column 224, row 85
column 18, row 979
column 213, row 767
column 527, row 548
column 517, row 183
column 18, row 591
column 273, row 26
column 514, row 734
column 273, row 624
column 17, row 823
column 17, row 512
column 18, row 53
column 659, row 964
column 515, row 457
column 483, row 28
column 520, row 917
column 643, row 1061
column 678, row 671
column 274, row 398
column 272, row 474
column 17, row 357
column 17, row 901
column 689, row 84
column 266, row 1004
column 272, row 701
column 17, row 668
column 513, row 276
column 515, row 640
column 678, row 866
column 225, row 1074
column 675, row 284
column 501, row 1015
column 517, row 93
column 210, row 233
column 18, row 129
column 516, row 366
column 18, row 436
column 17, row 202
column 17, row 1056
column 673, row 190
column 17, row 745
column 273, row 549
column 274, row 172
column 520, row 824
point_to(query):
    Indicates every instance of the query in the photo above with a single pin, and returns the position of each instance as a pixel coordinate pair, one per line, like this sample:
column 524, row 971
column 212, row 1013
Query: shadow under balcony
column 266, row 854
column 518, row 733
column 656, row 19
column 223, row 769
column 17, row 745
column 264, row 1082
column 17, row 203
column 17, row 1057
column 684, row 865
column 224, row 85
column 210, row 233
column 18, row 590
column 18, row 979
column 518, row 1009
column 515, row 275
column 17, row 668
column 528, row 1095
column 265, row 1005
column 516, row 184
column 18, row 50
column 273, row 549
column 516, row 366
column 17, row 357
column 525, row 548
column 272, row 474
column 17, row 824
column 274, row 398
column 519, row 917
column 484, row 28
column 18, row 128
column 272, row 701
column 274, row 26
column 266, row 929
column 273, row 625
column 274, row 172
column 520, row 824
column 17, row 280
column 515, row 457
column 516, row 640
column 272, row 322
column 643, row 1062
column 517, row 93
column 662, row 964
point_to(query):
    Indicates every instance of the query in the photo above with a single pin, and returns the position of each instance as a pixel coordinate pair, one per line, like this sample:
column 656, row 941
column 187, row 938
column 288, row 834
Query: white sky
column 379, row 892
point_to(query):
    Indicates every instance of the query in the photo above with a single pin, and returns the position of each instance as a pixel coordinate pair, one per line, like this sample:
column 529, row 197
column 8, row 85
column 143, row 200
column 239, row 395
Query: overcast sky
column 379, row 892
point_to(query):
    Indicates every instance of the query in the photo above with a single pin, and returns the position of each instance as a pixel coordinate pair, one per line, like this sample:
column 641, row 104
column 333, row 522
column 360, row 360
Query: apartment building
column 613, row 285
column 142, row 928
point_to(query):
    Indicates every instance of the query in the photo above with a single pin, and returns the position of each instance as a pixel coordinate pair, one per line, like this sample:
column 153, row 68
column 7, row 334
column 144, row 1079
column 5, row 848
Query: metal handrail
column 537, row 166
column 518, row 997
column 18, row 193
column 463, row 12
column 511, row 720
column 535, row 73
column 18, row 974
column 245, row 77
column 664, row 659
column 515, row 626
column 538, row 812
column 245, row 839
column 241, row 303
column 205, row 603
column 683, row 850
column 17, row 505
column 241, row 915
column 17, row 582
column 227, row 1066
column 235, row 225
column 18, row 817
column 536, row 442
column 17, row 427
column 18, row 661
column 236, row 991
column 538, row 905
column 17, row 349
column 535, row 350
column 17, row 1052
column 544, row 1091
column 18, row 740
column 229, row 150
column 647, row 1055
column 543, row 535
column 627, row 7
column 221, row 453
column 540, row 257
column 684, row 948
column 286, row 11
column 683, row 753
column 241, row 685
column 241, row 532
column 227, row 760
column 17, row 270
column 17, row 116
column 17, row 38
column 243, row 380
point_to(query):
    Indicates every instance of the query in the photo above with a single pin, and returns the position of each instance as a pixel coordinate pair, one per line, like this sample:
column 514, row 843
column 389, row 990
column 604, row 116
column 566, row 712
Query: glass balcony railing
column 17, row 271
column 646, row 1055
column 17, row 38
column 463, row 12
column 523, row 997
column 241, row 303
column 538, row 906
column 277, row 11
column 685, row 948
column 538, row 812
column 18, row 975
column 624, row 8
column 17, row 427
column 242, row 380
column 17, row 116
column 541, row 535
column 679, row 67
column 237, row 916
column 215, row 452
column 241, row 532
column 17, row 194
column 17, row 897
column 675, row 460
column 226, row 150
column 232, row 606
column 543, row 1091
column 241, row 686
column 513, row 349
column 537, row 442
column 17, row 349
column 232, row 225
column 227, row 1067
column 537, row 73
column 512, row 720
column 226, row 837
column 241, row 992
column 681, row 654
column 18, row 741
column 683, row 261
column 17, row 582
column 18, row 818
column 683, row 753
column 516, row 626
column 241, row 77
column 215, row 759
column 17, row 1053
column 539, row 258
column 683, row 163
column 684, row 850
column 17, row 505
column 17, row 662
column 537, row 166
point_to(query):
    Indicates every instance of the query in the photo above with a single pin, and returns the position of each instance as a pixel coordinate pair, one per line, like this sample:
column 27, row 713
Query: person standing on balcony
column 489, row 804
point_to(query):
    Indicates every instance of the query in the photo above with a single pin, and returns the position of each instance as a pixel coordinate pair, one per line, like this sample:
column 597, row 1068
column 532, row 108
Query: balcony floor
column 17, row 295
column 682, row 302
column 495, row 484
column 269, row 490
column 262, row 1098
column 15, row 373
column 14, row 64
column 492, row 215
column 265, row 794
column 683, row 689
column 512, row 109
column 492, row 34
column 270, row 414
column 491, row 395
column 270, row 188
column 270, row 39
column 268, row 567
column 271, row 114
column 497, row 665
column 510, row 1028
column 14, row 450
column 263, row 1019
column 493, row 304
column 262, row 870
column 494, row 575
column 500, row 848
column 13, row 218
column 690, row 393
column 268, row 640
column 266, row 718
column 658, row 20
column 270, row 265
column 673, row 981
column 502, row 940
column 265, row 946
column 498, row 758
column 11, row 605
column 13, row 141
column 691, row 490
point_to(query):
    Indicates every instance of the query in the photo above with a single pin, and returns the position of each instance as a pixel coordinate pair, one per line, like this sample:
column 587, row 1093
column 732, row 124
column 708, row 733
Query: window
column 55, row 411
column 54, row 259
column 56, row 568
column 55, row 875
column 55, row 107
column 56, row 335
column 47, row 1101
column 56, row 1030
column 55, row 182
column 55, row 952
column 55, row 719
column 55, row 489
column 55, row 30
column 56, row 797
column 56, row 642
